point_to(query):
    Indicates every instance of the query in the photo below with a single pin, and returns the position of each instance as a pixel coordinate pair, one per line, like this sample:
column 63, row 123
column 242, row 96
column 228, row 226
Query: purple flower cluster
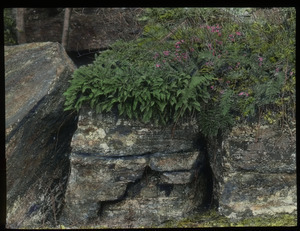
column 243, row 93
column 260, row 59
column 178, row 54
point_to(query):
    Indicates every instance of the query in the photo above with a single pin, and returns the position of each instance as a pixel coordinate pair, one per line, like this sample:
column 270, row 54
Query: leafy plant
column 136, row 87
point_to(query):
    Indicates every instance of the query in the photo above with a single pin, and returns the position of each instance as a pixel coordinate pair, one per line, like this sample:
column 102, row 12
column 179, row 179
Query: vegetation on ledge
column 197, row 62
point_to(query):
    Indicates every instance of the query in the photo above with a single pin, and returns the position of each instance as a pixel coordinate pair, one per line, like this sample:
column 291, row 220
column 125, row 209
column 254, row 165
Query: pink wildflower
column 238, row 33
column 212, row 87
column 156, row 55
column 210, row 63
column 244, row 93
column 166, row 53
column 260, row 61
column 157, row 65
column 209, row 46
column 219, row 34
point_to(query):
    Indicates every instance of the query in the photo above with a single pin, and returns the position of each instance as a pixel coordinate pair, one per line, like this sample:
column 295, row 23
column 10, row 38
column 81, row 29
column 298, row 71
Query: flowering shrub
column 219, row 73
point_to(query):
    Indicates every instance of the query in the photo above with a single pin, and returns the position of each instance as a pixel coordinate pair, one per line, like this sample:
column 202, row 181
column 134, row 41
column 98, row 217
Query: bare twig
column 65, row 33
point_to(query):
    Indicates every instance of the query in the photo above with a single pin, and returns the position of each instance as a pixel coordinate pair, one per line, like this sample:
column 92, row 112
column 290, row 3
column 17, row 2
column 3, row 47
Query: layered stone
column 255, row 171
column 118, row 166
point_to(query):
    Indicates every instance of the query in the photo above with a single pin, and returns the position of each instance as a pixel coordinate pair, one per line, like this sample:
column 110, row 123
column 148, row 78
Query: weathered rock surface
column 255, row 171
column 128, row 174
column 38, row 132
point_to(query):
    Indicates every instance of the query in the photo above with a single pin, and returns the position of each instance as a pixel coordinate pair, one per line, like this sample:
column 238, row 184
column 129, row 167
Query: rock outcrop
column 38, row 132
column 113, row 172
column 90, row 28
column 255, row 171
column 128, row 174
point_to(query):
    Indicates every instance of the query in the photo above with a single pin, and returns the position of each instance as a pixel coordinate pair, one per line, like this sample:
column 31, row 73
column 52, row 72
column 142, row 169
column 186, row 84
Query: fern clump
column 218, row 70
column 127, row 77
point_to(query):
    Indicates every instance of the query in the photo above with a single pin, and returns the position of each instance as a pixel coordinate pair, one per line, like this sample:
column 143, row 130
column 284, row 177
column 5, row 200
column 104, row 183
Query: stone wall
column 38, row 133
column 255, row 171
column 128, row 174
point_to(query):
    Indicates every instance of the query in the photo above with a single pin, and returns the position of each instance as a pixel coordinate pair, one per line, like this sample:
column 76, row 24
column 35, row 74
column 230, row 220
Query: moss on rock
column 212, row 218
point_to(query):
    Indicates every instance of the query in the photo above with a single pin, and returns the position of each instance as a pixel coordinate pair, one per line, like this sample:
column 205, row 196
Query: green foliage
column 136, row 87
column 9, row 27
column 185, row 66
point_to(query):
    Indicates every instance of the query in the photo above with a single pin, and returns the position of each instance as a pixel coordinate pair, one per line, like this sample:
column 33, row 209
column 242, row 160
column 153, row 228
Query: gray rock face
column 255, row 171
column 38, row 132
column 127, row 174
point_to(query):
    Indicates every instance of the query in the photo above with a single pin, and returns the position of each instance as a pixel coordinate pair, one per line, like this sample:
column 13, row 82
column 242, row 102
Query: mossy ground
column 212, row 218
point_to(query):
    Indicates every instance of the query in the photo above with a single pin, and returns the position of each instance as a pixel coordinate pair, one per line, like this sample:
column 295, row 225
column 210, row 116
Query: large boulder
column 255, row 171
column 128, row 174
column 38, row 132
